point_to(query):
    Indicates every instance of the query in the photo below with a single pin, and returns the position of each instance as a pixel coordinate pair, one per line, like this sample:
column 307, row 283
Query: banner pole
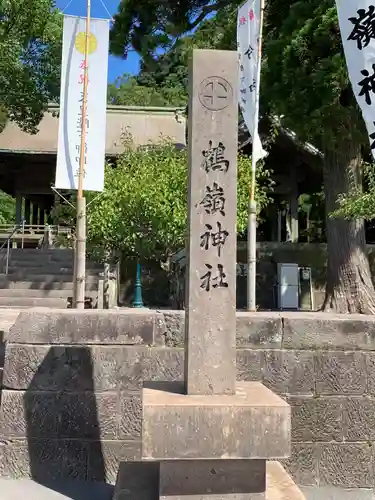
column 80, row 246
column 252, row 216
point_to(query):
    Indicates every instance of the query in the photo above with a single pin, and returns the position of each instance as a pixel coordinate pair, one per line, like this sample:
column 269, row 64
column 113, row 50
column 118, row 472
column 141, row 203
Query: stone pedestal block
column 212, row 480
column 146, row 480
column 253, row 424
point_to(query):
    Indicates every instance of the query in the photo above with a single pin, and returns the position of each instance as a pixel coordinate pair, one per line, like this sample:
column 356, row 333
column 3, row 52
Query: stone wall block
column 249, row 365
column 159, row 328
column 88, row 327
column 87, row 416
column 256, row 330
column 340, row 373
column 130, row 417
column 289, row 371
column 370, row 372
column 259, row 330
column 319, row 331
column 164, row 364
column 174, row 328
column 28, row 414
column 316, row 419
column 105, row 457
column 346, row 465
column 132, row 363
column 2, row 348
column 58, row 415
column 23, row 364
column 61, row 368
column 14, row 459
column 303, row 464
column 359, row 418
column 44, row 460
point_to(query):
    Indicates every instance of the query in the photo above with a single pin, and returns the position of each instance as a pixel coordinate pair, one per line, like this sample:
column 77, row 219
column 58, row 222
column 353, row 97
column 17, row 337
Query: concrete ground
column 30, row 490
column 27, row 489
column 332, row 493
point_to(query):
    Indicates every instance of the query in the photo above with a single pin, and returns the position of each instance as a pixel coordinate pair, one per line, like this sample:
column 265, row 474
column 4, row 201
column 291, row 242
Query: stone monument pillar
column 211, row 439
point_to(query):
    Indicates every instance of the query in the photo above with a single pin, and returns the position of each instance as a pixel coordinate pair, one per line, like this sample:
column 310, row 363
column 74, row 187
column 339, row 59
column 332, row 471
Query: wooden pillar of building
column 293, row 205
column 35, row 213
column 27, row 210
column 18, row 208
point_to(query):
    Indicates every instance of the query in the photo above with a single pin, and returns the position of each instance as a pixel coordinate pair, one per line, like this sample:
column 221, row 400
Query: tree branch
column 205, row 11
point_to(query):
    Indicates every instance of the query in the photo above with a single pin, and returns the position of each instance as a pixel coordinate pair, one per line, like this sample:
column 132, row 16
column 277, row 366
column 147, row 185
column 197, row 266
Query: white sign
column 71, row 98
column 357, row 26
column 248, row 33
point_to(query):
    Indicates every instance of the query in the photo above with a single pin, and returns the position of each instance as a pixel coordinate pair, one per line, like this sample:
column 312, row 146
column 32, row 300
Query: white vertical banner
column 248, row 38
column 357, row 27
column 71, row 99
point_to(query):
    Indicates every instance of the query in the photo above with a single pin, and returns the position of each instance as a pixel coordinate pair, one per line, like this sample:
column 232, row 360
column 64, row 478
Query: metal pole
column 138, row 301
column 252, row 220
column 80, row 250
column 23, row 233
column 252, row 256
column 7, row 263
column 106, row 282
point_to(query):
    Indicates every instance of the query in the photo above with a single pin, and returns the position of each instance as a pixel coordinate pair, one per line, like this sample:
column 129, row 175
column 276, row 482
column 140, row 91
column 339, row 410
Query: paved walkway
column 26, row 489
column 332, row 493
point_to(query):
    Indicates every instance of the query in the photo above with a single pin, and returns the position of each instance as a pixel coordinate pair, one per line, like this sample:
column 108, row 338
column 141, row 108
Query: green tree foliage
column 30, row 58
column 148, row 26
column 304, row 55
column 304, row 80
column 163, row 80
column 358, row 202
column 129, row 91
column 171, row 68
column 7, row 209
column 143, row 208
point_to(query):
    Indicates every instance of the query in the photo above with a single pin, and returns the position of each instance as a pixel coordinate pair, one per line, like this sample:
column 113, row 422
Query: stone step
column 42, row 263
column 14, row 308
column 48, row 269
column 41, row 278
column 38, row 254
column 58, row 303
column 37, row 251
column 40, row 293
column 8, row 284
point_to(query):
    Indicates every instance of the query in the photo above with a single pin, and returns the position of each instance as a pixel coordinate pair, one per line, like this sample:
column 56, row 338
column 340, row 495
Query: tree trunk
column 349, row 283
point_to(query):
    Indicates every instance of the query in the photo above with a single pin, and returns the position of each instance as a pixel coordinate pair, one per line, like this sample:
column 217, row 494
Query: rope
column 66, row 7
column 101, row 1
column 105, row 7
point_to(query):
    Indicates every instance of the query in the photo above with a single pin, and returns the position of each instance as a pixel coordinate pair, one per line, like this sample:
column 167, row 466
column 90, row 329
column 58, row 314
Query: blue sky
column 116, row 66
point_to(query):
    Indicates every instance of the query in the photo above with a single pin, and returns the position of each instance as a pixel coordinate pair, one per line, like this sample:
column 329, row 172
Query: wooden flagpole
column 80, row 248
column 252, row 220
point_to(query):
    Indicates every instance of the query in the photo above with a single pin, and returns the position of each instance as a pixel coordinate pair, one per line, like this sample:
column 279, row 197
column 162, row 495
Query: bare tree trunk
column 349, row 284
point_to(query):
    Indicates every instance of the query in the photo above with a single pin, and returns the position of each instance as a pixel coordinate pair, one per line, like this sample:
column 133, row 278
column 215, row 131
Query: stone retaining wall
column 71, row 390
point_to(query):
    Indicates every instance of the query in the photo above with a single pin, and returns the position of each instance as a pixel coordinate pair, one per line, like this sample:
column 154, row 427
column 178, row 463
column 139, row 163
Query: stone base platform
column 252, row 424
column 158, row 481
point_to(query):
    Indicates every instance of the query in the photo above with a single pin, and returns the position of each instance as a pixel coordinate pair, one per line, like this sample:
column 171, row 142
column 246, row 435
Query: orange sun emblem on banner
column 81, row 40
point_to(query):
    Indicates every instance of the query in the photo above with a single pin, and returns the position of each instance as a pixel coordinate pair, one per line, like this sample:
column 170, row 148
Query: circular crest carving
column 215, row 93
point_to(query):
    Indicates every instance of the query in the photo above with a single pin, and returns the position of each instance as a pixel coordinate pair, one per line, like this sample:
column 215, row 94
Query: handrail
column 17, row 226
column 36, row 228
column 7, row 243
